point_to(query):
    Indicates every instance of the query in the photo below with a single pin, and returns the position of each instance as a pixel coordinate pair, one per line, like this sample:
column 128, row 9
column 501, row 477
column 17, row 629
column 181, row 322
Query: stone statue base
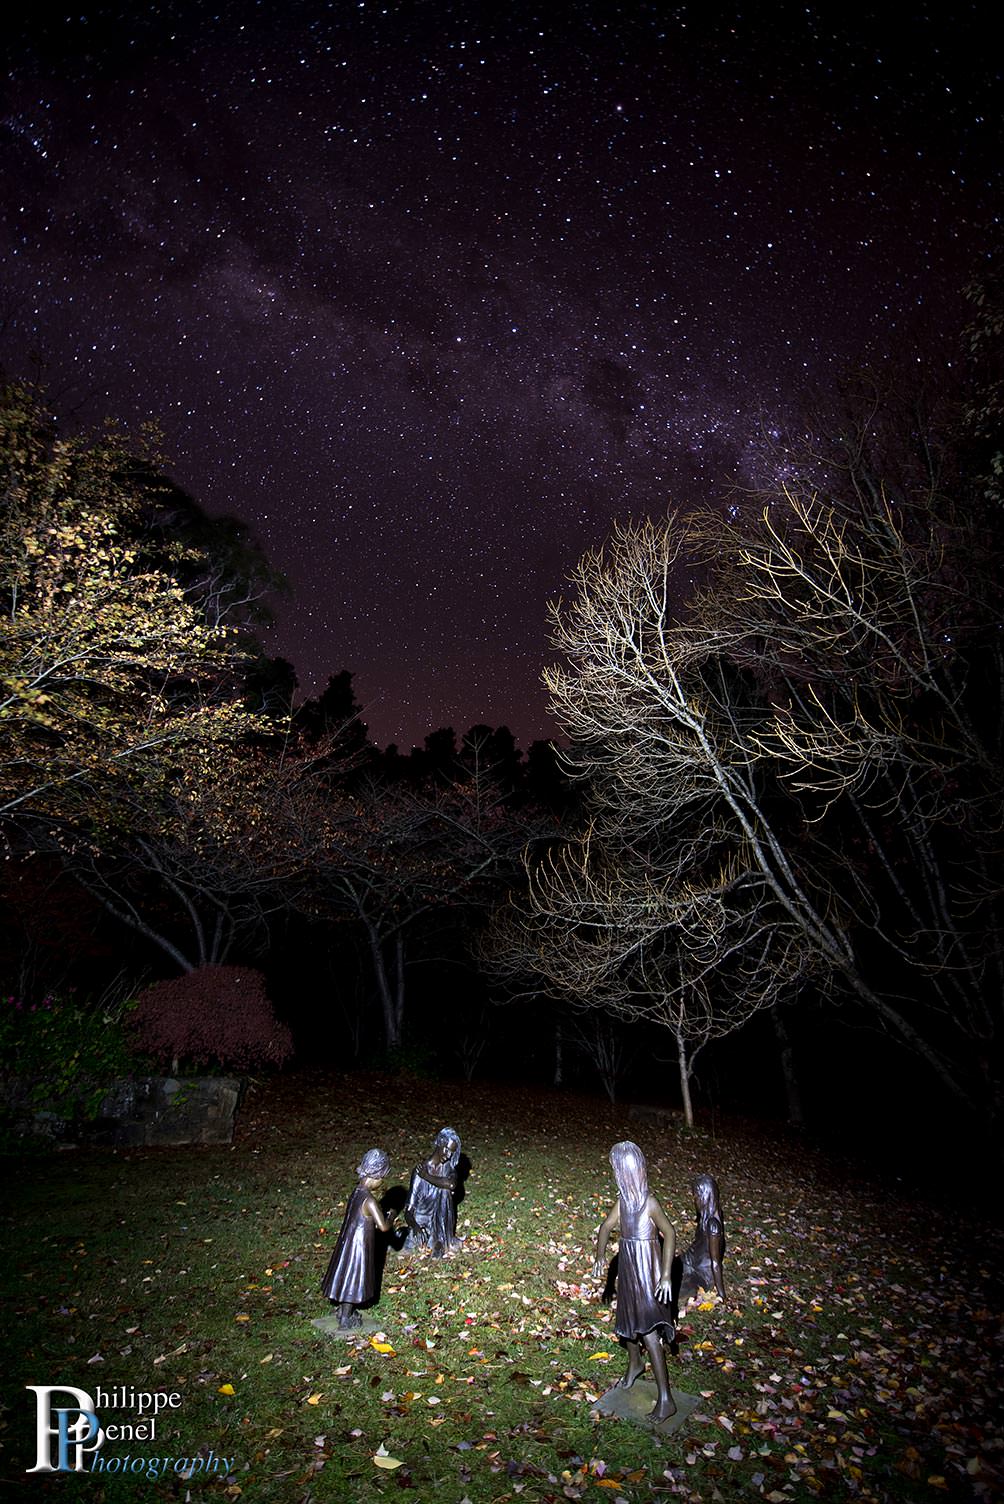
column 635, row 1403
column 368, row 1324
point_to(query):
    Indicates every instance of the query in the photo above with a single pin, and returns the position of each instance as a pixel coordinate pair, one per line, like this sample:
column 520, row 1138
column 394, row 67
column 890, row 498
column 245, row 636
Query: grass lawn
column 857, row 1356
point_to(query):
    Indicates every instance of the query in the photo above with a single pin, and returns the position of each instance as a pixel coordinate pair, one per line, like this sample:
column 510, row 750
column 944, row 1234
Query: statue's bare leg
column 635, row 1368
column 665, row 1405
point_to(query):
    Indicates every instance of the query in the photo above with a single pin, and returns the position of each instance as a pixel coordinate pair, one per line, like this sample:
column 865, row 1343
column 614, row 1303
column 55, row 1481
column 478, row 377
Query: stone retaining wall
column 166, row 1110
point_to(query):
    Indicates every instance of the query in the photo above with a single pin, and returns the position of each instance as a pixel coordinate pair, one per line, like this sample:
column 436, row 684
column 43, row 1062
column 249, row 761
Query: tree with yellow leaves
column 111, row 666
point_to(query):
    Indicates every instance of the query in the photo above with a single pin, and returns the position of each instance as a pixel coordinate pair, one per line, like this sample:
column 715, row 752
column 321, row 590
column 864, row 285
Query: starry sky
column 429, row 294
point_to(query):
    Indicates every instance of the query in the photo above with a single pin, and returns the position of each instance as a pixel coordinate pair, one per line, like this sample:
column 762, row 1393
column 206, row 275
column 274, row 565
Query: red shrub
column 218, row 1013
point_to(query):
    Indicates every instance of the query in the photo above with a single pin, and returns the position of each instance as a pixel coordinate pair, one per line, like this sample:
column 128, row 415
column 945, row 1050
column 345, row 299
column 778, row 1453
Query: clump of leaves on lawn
column 856, row 1357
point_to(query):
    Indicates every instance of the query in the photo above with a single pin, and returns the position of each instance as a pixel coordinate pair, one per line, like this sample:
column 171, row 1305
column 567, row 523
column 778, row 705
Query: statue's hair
column 631, row 1175
column 374, row 1165
column 445, row 1136
column 706, row 1199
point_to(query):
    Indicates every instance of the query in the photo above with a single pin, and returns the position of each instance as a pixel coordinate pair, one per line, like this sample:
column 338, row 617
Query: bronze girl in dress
column 644, row 1315
column 701, row 1266
column 350, row 1280
column 431, row 1212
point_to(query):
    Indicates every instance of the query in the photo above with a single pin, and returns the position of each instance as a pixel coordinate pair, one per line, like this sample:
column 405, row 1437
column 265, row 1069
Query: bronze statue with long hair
column 644, row 1315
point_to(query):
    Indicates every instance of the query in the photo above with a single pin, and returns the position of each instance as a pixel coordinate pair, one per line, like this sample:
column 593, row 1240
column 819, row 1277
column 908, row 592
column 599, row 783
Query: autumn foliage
column 119, row 651
column 215, row 1015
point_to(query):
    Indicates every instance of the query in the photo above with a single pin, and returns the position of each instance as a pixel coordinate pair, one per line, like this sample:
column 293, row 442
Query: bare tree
column 795, row 771
column 610, row 925
column 398, row 861
column 604, row 1042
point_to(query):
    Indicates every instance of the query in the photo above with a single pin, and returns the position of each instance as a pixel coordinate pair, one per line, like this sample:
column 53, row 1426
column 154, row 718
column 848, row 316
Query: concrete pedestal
column 635, row 1403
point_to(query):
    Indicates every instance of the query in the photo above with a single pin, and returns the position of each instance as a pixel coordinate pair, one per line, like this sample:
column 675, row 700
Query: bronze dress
column 350, row 1278
column 698, row 1270
column 432, row 1209
column 638, row 1272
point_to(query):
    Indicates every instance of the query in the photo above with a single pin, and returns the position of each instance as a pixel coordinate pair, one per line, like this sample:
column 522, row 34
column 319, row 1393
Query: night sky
column 429, row 294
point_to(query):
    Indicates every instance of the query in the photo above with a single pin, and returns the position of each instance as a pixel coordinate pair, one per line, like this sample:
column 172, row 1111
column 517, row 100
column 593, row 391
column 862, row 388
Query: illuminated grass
column 843, row 1364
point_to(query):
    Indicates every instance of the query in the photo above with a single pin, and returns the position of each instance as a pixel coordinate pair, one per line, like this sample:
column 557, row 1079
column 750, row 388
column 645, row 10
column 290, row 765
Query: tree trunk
column 796, row 1117
column 558, row 1059
column 684, row 1064
column 391, row 1000
column 133, row 922
column 399, row 985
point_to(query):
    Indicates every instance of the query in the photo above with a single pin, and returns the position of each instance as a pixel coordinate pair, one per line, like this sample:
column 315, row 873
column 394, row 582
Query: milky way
column 430, row 294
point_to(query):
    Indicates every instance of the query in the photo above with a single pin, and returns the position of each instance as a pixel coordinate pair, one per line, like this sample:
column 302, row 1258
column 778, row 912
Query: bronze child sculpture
column 702, row 1262
column 431, row 1212
column 644, row 1313
column 350, row 1280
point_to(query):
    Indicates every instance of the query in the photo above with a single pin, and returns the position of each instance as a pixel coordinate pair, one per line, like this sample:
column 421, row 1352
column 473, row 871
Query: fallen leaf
column 226, row 1389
